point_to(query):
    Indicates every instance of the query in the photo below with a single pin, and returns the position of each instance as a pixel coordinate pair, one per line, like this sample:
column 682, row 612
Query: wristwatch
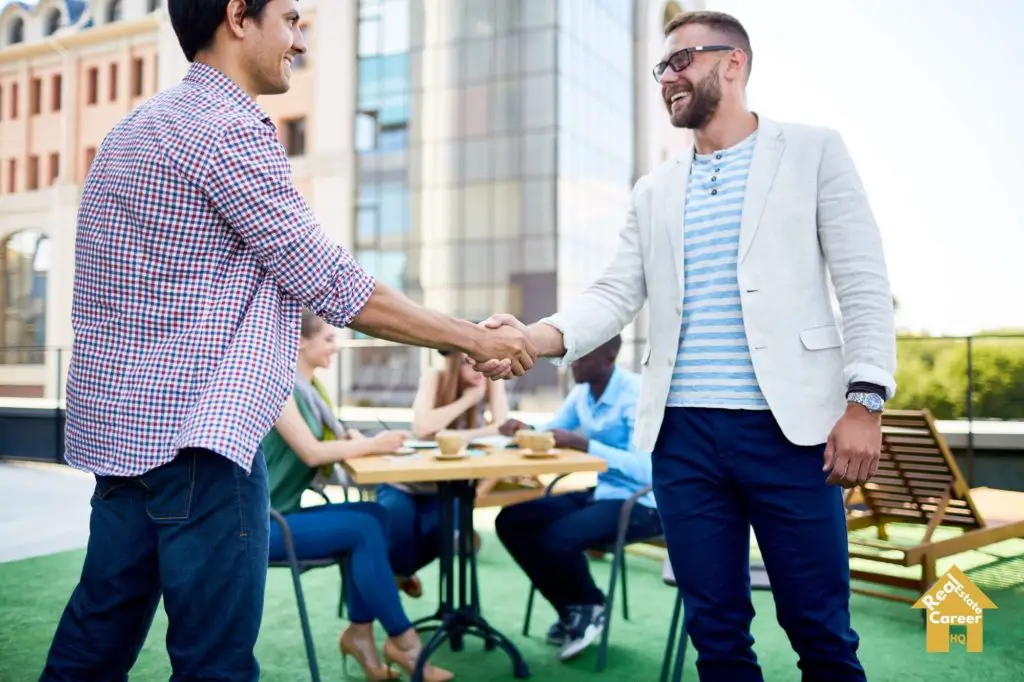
column 872, row 402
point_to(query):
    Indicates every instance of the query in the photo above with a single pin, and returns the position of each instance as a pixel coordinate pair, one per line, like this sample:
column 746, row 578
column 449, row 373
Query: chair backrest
column 916, row 473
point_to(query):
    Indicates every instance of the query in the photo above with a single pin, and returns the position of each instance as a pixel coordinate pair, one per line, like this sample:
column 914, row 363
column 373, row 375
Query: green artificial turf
column 33, row 593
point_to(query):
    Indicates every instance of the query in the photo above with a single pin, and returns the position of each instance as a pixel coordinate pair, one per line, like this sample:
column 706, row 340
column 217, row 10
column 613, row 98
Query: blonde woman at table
column 453, row 398
column 307, row 437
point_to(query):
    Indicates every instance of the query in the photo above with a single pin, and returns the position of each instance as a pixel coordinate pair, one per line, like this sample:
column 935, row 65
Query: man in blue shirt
column 548, row 537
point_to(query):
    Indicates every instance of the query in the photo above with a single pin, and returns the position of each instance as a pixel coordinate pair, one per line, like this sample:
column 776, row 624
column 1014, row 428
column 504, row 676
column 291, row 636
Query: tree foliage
column 933, row 372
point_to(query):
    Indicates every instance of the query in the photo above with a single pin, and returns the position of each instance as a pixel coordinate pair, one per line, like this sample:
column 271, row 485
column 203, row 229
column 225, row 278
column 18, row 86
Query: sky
column 927, row 96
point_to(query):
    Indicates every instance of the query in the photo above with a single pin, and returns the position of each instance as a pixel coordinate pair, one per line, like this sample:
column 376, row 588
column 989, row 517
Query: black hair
column 612, row 346
column 195, row 22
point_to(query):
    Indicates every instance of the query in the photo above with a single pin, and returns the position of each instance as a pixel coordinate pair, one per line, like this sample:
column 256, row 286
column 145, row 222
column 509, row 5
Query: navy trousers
column 195, row 531
column 718, row 472
column 548, row 537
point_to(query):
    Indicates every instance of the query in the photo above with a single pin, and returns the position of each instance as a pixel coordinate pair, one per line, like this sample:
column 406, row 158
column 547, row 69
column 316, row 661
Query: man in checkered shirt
column 194, row 254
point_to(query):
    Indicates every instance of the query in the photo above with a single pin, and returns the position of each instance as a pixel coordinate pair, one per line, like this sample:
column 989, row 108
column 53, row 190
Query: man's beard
column 704, row 99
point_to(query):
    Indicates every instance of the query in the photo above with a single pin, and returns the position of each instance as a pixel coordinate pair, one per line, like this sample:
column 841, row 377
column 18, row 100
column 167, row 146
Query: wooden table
column 456, row 486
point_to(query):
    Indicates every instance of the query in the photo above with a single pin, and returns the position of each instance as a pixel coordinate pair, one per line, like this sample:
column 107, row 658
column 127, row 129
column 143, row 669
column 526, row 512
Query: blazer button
column 670, row 362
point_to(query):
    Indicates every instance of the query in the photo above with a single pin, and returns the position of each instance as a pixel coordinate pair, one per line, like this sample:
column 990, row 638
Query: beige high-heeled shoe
column 406, row 660
column 372, row 673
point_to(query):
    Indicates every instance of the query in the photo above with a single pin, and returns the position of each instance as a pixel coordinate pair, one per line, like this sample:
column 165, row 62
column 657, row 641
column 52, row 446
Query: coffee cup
column 538, row 441
column 449, row 443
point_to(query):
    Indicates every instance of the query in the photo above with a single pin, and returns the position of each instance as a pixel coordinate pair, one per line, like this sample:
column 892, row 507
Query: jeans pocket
column 171, row 488
column 105, row 485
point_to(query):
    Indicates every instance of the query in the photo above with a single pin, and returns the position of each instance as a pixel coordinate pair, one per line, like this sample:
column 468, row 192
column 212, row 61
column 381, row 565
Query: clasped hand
column 504, row 349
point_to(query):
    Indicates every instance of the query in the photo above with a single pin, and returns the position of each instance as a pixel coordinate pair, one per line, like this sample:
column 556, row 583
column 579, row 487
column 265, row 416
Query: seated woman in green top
column 307, row 437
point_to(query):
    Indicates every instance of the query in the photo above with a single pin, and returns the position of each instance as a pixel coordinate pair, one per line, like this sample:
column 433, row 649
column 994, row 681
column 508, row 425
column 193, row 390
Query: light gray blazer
column 806, row 219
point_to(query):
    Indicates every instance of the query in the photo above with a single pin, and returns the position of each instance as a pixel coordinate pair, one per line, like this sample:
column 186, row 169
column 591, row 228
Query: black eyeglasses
column 682, row 59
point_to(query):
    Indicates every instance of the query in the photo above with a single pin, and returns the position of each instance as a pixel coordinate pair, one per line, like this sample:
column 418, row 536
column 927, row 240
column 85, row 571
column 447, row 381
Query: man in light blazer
column 757, row 408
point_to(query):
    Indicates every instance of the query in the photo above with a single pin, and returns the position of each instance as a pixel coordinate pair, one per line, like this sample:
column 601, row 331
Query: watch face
column 869, row 400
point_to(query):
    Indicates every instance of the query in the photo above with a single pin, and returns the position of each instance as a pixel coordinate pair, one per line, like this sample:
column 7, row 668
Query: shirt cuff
column 865, row 373
column 559, row 322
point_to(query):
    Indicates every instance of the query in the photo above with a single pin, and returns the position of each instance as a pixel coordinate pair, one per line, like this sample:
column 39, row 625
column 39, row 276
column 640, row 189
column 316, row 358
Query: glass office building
column 495, row 153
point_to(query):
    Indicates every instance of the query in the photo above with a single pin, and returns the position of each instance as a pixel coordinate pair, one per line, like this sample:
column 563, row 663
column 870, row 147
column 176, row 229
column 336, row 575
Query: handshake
column 506, row 347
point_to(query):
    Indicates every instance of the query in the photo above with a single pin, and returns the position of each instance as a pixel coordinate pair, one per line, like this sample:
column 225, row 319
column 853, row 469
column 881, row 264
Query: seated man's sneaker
column 558, row 632
column 585, row 625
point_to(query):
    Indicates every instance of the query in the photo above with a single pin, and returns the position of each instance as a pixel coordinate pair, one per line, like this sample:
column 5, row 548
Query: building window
column 366, row 131
column 24, row 266
column 113, row 11
column 54, row 168
column 295, row 136
column 137, row 66
column 14, row 101
column 12, row 176
column 35, row 100
column 32, row 176
column 52, row 22
column 56, row 92
column 16, row 31
column 113, row 82
column 92, row 85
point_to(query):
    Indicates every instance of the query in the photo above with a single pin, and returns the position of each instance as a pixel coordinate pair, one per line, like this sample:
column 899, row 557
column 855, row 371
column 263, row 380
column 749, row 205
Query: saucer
column 438, row 455
column 539, row 455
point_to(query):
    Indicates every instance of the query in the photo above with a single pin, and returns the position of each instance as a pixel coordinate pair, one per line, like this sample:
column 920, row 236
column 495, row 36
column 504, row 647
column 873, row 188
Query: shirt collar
column 207, row 76
column 610, row 394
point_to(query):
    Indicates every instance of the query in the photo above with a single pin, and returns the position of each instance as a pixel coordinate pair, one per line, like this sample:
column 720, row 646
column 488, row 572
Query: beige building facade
column 476, row 155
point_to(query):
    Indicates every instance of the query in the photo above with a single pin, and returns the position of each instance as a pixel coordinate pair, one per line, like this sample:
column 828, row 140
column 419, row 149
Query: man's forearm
column 392, row 316
column 547, row 339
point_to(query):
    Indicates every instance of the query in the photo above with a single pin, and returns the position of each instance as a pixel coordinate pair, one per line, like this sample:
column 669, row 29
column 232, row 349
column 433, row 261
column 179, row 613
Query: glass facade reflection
column 384, row 238
column 596, row 141
column 495, row 154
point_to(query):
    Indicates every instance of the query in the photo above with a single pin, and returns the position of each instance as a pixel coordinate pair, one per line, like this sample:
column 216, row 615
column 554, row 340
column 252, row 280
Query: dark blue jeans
column 358, row 529
column 194, row 531
column 548, row 538
column 414, row 528
column 716, row 474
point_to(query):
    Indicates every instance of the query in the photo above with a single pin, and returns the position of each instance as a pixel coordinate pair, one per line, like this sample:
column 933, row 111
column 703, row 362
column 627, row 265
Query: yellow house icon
column 954, row 599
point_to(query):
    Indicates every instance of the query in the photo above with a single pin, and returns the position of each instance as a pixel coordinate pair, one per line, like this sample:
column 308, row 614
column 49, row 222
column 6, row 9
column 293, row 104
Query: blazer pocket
column 821, row 338
column 645, row 359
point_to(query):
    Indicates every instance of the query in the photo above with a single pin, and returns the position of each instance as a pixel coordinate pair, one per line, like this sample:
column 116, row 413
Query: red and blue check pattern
column 194, row 253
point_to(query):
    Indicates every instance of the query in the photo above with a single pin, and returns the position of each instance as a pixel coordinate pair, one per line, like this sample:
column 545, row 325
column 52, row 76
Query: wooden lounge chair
column 918, row 482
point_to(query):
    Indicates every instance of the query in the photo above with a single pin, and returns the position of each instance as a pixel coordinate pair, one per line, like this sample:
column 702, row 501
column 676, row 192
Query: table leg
column 455, row 620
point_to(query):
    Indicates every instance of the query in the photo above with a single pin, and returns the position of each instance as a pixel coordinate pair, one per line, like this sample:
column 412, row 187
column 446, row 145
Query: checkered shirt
column 193, row 255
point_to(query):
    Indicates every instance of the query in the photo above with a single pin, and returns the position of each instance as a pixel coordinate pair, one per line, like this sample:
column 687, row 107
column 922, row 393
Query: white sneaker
column 585, row 625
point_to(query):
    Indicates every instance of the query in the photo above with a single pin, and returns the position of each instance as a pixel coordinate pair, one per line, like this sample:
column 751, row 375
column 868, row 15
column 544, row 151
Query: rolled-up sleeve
column 249, row 184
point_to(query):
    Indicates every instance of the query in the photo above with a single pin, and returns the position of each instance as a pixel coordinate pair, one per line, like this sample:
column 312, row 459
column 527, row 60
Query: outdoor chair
column 618, row 552
column 919, row 483
column 677, row 628
column 298, row 567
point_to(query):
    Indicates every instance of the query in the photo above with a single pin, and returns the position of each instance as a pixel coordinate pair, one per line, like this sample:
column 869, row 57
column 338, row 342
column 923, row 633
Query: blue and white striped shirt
column 713, row 366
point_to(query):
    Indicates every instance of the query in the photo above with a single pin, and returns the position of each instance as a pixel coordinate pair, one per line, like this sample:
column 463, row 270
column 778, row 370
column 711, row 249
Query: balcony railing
column 971, row 378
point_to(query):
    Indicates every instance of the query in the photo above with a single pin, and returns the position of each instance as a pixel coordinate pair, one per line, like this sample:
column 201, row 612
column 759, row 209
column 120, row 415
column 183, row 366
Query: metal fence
column 969, row 378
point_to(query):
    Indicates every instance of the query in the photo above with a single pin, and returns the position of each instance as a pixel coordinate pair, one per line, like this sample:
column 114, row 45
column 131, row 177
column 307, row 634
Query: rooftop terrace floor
column 43, row 524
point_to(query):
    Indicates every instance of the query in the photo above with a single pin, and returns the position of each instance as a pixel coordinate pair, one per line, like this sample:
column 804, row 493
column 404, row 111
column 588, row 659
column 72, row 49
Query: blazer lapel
column 763, row 166
column 673, row 201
